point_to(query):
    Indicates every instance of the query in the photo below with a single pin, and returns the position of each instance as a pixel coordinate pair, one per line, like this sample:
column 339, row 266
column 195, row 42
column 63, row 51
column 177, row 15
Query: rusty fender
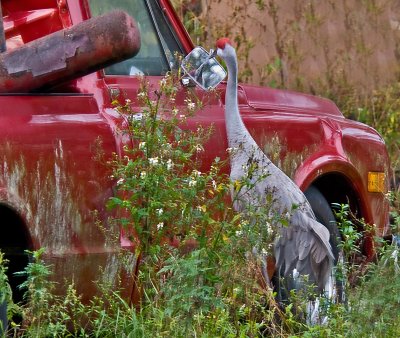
column 69, row 53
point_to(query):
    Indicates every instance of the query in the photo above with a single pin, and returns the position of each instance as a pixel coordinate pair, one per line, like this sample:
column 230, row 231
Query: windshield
column 158, row 45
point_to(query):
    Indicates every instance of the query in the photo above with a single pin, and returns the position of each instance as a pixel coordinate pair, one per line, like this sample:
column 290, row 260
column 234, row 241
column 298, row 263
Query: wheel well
column 14, row 240
column 338, row 189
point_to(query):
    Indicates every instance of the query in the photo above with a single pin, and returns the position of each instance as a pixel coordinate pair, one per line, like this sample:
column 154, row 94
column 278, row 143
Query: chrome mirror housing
column 202, row 68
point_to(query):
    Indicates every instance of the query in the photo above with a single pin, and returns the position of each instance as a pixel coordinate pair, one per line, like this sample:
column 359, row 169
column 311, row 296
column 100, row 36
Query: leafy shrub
column 184, row 231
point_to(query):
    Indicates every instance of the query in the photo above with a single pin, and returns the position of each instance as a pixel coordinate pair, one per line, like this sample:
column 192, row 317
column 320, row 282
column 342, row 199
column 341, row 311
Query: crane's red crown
column 222, row 42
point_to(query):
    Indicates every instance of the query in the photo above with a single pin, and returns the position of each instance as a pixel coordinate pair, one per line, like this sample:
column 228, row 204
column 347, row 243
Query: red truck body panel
column 53, row 176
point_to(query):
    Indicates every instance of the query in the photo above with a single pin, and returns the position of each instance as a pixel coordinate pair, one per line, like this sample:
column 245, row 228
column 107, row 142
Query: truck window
column 156, row 55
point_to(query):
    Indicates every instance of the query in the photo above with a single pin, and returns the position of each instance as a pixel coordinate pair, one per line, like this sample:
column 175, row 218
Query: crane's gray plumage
column 303, row 244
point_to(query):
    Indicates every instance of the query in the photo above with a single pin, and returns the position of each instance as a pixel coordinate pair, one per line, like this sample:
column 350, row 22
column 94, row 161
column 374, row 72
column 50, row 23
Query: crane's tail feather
column 304, row 246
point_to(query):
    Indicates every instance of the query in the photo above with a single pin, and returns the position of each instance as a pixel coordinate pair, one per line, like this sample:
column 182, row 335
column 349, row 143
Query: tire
column 325, row 216
column 335, row 289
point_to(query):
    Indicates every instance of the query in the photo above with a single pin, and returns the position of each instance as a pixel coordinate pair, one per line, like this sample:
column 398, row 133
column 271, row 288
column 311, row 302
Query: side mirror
column 203, row 68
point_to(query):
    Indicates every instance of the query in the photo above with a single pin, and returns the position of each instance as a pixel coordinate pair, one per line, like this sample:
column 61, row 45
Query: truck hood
column 264, row 98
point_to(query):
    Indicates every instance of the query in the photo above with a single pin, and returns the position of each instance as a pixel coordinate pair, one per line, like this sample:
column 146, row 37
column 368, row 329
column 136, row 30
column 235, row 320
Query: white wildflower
column 128, row 101
column 143, row 175
column 137, row 117
column 244, row 223
column 269, row 227
column 192, row 183
column 159, row 211
column 182, row 117
column 163, row 82
column 191, row 105
column 170, row 164
column 214, row 184
column 239, row 233
column 153, row 161
column 160, row 225
column 200, row 208
column 264, row 252
column 199, row 148
column 196, row 173
column 142, row 145
column 175, row 111
column 231, row 150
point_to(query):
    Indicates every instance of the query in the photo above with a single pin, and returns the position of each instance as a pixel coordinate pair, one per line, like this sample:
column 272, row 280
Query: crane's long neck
column 235, row 128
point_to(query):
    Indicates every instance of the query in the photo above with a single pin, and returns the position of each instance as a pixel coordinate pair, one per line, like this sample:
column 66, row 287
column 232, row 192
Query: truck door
column 160, row 47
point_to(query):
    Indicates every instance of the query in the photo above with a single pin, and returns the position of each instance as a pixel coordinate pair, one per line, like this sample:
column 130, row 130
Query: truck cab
column 54, row 183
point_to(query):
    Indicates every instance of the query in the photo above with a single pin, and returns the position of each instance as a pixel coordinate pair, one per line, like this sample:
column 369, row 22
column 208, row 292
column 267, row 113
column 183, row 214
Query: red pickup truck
column 53, row 120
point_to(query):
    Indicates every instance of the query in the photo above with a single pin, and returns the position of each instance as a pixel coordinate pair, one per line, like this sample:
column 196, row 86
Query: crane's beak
column 213, row 53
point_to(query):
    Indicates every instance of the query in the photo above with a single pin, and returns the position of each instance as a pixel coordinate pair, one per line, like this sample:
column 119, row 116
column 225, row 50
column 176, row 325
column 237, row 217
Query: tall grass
column 189, row 306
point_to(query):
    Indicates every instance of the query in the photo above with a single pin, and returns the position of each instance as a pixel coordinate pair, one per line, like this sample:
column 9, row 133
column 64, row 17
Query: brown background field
column 330, row 46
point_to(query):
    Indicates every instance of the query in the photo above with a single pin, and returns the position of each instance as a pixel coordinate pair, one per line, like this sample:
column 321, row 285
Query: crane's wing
column 304, row 246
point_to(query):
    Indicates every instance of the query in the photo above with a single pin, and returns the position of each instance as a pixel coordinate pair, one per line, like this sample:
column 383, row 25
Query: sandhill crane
column 302, row 248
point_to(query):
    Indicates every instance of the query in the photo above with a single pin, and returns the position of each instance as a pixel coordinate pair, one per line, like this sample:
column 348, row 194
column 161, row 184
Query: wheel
column 324, row 215
column 334, row 290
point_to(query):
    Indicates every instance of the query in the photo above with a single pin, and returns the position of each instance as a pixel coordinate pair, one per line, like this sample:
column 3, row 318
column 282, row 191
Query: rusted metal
column 69, row 53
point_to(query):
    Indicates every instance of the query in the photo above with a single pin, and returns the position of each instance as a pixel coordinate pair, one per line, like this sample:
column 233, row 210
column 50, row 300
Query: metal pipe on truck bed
column 69, row 53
